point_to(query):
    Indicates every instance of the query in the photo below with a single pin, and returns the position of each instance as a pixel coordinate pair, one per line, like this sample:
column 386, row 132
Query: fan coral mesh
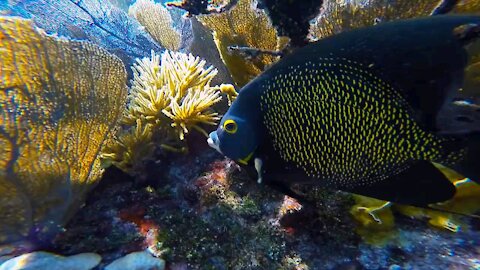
column 157, row 22
column 59, row 104
column 243, row 25
column 467, row 6
column 339, row 15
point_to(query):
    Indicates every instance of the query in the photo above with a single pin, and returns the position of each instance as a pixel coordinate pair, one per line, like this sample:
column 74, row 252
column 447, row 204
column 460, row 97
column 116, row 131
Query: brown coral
column 339, row 15
column 59, row 102
column 243, row 25
column 467, row 6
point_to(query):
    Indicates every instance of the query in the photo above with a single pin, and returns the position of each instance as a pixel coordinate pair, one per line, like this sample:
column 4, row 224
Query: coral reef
column 467, row 6
column 169, row 97
column 97, row 21
column 209, row 215
column 59, row 104
column 243, row 25
column 157, row 22
column 195, row 211
column 338, row 15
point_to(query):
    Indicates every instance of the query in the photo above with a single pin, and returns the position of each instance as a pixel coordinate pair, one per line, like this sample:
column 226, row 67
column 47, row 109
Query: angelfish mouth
column 213, row 141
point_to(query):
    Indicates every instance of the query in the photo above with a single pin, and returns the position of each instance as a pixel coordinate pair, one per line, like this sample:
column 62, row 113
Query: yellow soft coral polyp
column 170, row 95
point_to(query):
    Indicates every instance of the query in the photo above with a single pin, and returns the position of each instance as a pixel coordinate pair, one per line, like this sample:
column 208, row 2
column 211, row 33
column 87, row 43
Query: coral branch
column 170, row 94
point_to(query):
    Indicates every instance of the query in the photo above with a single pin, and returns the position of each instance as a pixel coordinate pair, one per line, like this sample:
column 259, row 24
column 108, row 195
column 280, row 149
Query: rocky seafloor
column 203, row 212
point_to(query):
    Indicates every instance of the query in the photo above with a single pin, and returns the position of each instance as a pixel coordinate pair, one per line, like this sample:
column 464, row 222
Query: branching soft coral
column 170, row 95
column 130, row 146
column 189, row 111
column 179, row 89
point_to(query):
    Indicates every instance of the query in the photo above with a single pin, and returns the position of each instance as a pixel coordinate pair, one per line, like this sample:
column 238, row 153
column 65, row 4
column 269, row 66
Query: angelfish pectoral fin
column 245, row 160
column 258, row 166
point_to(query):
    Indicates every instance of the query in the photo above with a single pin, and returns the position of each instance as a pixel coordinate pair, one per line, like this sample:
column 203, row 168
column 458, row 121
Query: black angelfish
column 365, row 111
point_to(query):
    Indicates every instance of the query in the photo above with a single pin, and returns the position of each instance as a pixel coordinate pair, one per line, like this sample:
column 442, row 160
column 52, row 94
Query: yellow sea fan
column 59, row 102
column 341, row 15
column 157, row 22
column 467, row 6
column 243, row 25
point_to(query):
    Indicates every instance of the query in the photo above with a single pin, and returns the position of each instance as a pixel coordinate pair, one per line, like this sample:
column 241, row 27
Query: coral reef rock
column 48, row 261
column 141, row 260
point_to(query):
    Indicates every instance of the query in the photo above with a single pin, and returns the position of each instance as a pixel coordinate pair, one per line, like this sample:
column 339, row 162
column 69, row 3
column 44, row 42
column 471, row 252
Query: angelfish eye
column 230, row 126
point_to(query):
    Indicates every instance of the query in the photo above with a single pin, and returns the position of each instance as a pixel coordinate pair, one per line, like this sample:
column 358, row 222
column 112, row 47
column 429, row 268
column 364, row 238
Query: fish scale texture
column 337, row 121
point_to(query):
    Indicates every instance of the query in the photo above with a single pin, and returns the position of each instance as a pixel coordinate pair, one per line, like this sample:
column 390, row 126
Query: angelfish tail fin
column 469, row 165
column 420, row 184
column 438, row 209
